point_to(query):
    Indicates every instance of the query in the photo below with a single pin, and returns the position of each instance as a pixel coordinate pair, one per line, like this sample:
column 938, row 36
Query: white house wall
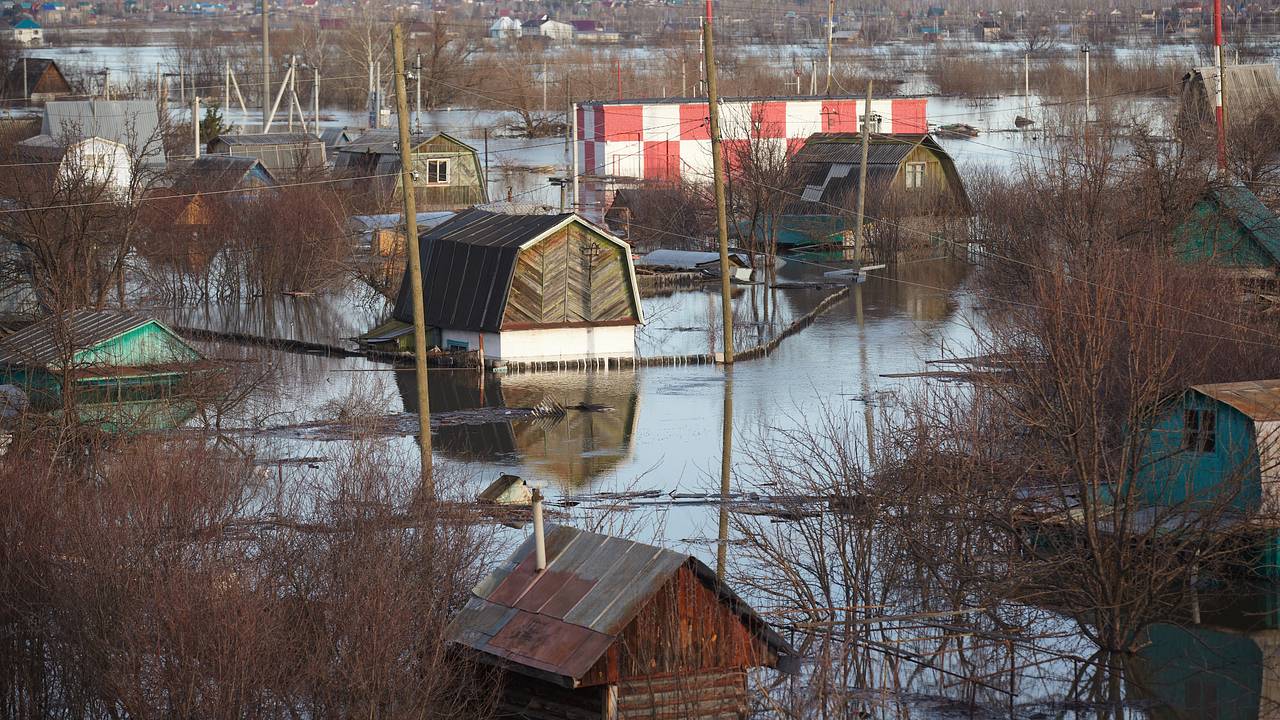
column 549, row 344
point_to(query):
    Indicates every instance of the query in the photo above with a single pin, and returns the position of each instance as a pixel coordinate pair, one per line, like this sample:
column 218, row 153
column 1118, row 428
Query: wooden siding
column 1170, row 474
column 684, row 628
column 719, row 694
column 574, row 276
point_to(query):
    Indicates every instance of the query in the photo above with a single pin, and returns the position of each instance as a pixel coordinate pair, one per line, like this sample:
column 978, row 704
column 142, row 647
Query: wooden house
column 283, row 154
column 108, row 355
column 1231, row 229
column 614, row 629
column 203, row 186
column 35, row 79
column 448, row 173
column 911, row 181
column 1250, row 90
column 1216, row 444
column 526, row 287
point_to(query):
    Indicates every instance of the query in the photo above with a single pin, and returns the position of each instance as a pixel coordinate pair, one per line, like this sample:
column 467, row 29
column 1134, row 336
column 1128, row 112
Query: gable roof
column 132, row 123
column 277, row 138
column 385, row 141
column 1257, row 399
column 34, row 68
column 556, row 624
column 1261, row 225
column 45, row 343
column 218, row 173
column 26, row 23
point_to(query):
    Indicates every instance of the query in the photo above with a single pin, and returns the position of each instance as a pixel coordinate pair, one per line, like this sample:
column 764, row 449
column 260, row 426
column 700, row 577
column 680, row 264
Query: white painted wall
column 98, row 160
column 550, row 343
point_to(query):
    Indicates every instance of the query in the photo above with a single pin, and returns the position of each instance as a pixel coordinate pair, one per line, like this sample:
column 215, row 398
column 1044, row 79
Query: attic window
column 1199, row 430
column 915, row 175
column 438, row 171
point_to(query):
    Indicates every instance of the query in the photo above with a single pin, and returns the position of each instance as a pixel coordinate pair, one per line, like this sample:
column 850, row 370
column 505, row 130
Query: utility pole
column 573, row 149
column 717, row 170
column 1026, row 85
column 1219, row 103
column 26, row 92
column 831, row 17
column 417, row 93
column 315, row 97
column 862, row 179
column 684, row 87
column 182, row 82
column 544, row 86
column 568, row 146
column 195, row 125
column 266, row 61
column 1085, row 50
column 415, row 265
column 226, row 87
column 293, row 88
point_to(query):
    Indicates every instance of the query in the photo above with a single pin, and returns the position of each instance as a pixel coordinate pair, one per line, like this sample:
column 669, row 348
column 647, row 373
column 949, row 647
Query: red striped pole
column 1219, row 111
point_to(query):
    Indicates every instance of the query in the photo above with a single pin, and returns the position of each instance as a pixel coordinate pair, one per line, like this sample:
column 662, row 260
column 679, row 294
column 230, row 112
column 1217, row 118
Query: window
column 438, row 172
column 457, row 345
column 915, row 175
column 1199, row 430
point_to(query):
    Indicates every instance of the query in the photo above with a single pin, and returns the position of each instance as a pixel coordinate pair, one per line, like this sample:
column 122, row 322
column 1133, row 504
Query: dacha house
column 447, row 174
column 102, row 355
column 35, row 79
column 610, row 628
column 1231, row 229
column 283, row 154
column 522, row 287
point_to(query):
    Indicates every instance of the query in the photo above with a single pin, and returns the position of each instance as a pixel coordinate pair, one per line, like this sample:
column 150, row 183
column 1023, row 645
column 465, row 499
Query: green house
column 1230, row 228
column 110, row 356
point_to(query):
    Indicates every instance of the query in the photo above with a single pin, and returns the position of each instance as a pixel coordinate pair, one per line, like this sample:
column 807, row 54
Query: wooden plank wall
column 572, row 277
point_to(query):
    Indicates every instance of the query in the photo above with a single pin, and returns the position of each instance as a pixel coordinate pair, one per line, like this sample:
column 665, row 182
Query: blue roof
column 1262, row 225
column 27, row 24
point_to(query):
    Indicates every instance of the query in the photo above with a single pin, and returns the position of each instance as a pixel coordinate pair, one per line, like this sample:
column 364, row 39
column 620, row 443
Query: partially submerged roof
column 1257, row 399
column 53, row 340
column 689, row 259
column 384, row 141
column 556, row 624
column 1261, row 225
column 221, row 173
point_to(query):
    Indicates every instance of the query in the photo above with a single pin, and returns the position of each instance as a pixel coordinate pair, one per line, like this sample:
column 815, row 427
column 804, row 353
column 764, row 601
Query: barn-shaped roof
column 132, row 123
column 280, row 152
column 385, row 141
column 556, row 624
column 469, row 262
column 51, row 341
column 1249, row 90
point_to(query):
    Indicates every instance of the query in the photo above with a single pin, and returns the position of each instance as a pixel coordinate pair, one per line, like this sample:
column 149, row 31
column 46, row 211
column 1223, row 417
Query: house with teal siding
column 1215, row 444
column 1230, row 228
column 108, row 356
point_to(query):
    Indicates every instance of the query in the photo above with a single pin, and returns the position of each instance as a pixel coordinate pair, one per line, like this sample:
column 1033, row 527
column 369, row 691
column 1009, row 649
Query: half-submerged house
column 1231, row 229
column 911, row 181
column 107, row 354
column 611, row 628
column 203, row 186
column 447, row 172
column 525, row 287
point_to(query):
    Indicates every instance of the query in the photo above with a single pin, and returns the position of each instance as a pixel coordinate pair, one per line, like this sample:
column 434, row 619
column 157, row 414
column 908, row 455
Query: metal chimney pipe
column 539, row 540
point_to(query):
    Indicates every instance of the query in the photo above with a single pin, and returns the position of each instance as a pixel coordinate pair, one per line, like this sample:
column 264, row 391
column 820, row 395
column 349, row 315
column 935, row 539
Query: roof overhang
column 608, row 237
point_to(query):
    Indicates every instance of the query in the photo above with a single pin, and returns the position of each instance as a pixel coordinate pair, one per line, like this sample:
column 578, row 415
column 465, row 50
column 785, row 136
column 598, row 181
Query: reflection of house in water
column 573, row 450
column 921, row 290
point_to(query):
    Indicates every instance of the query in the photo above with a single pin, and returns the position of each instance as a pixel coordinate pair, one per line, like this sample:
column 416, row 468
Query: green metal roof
column 1261, row 225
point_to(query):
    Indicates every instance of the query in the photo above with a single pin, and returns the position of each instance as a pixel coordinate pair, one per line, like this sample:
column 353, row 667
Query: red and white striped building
column 670, row 139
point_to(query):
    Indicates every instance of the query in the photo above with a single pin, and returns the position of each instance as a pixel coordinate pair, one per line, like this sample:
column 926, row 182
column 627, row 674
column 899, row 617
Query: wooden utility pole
column 831, row 18
column 862, row 179
column 415, row 264
column 417, row 93
column 266, row 62
column 717, row 171
column 726, row 461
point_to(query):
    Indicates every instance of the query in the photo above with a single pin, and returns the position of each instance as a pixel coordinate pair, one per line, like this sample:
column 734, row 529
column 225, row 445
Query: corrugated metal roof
column 217, row 173
column 132, row 123
column 282, row 138
column 557, row 623
column 1258, row 399
column 52, row 340
column 468, row 262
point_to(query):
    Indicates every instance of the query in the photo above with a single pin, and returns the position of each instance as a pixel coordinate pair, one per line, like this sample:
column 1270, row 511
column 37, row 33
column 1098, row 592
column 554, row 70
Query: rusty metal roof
column 1258, row 399
column 557, row 623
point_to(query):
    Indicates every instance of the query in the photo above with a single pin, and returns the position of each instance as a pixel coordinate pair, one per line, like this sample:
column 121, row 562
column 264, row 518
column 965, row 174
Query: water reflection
column 573, row 450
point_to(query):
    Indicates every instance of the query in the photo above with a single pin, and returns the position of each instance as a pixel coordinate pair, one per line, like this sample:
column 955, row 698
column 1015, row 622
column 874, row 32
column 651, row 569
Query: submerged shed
column 615, row 629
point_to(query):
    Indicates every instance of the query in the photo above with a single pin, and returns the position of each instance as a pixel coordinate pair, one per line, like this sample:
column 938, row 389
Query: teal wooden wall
column 1199, row 672
column 1170, row 474
column 1208, row 236
column 150, row 344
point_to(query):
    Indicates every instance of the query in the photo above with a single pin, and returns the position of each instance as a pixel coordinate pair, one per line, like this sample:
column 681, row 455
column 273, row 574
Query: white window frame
column 445, row 162
column 915, row 175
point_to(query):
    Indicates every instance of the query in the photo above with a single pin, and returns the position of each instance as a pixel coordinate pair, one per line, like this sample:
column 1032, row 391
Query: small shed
column 448, row 172
column 35, row 79
column 1216, row 443
column 105, row 353
column 335, row 137
column 545, row 287
column 203, row 185
column 88, row 160
column 909, row 175
column 283, row 154
column 1230, row 228
column 615, row 629
column 26, row 31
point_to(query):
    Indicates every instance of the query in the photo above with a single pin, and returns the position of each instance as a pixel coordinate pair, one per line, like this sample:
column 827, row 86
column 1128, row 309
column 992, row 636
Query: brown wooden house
column 615, row 629
column 35, row 79
column 448, row 173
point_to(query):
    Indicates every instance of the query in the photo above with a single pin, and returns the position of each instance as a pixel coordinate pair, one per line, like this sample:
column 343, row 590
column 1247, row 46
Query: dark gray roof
column 468, row 262
column 53, row 339
column 280, row 153
column 215, row 173
column 557, row 623
column 132, row 123
column 282, row 138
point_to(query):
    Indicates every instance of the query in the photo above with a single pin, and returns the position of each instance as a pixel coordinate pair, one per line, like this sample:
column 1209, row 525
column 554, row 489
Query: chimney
column 539, row 540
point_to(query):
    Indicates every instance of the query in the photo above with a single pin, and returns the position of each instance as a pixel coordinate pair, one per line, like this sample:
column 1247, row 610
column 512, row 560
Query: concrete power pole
column 415, row 264
column 417, row 93
column 195, row 125
column 831, row 18
column 266, row 61
column 717, row 170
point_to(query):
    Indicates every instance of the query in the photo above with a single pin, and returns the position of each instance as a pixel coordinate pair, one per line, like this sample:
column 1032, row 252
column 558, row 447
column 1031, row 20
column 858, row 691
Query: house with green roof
column 1230, row 228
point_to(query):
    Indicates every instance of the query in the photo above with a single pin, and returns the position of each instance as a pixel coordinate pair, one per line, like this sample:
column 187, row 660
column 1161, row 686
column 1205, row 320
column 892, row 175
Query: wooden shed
column 448, row 171
column 526, row 287
column 107, row 354
column 35, row 79
column 1248, row 91
column 283, row 154
column 1231, row 229
column 615, row 629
